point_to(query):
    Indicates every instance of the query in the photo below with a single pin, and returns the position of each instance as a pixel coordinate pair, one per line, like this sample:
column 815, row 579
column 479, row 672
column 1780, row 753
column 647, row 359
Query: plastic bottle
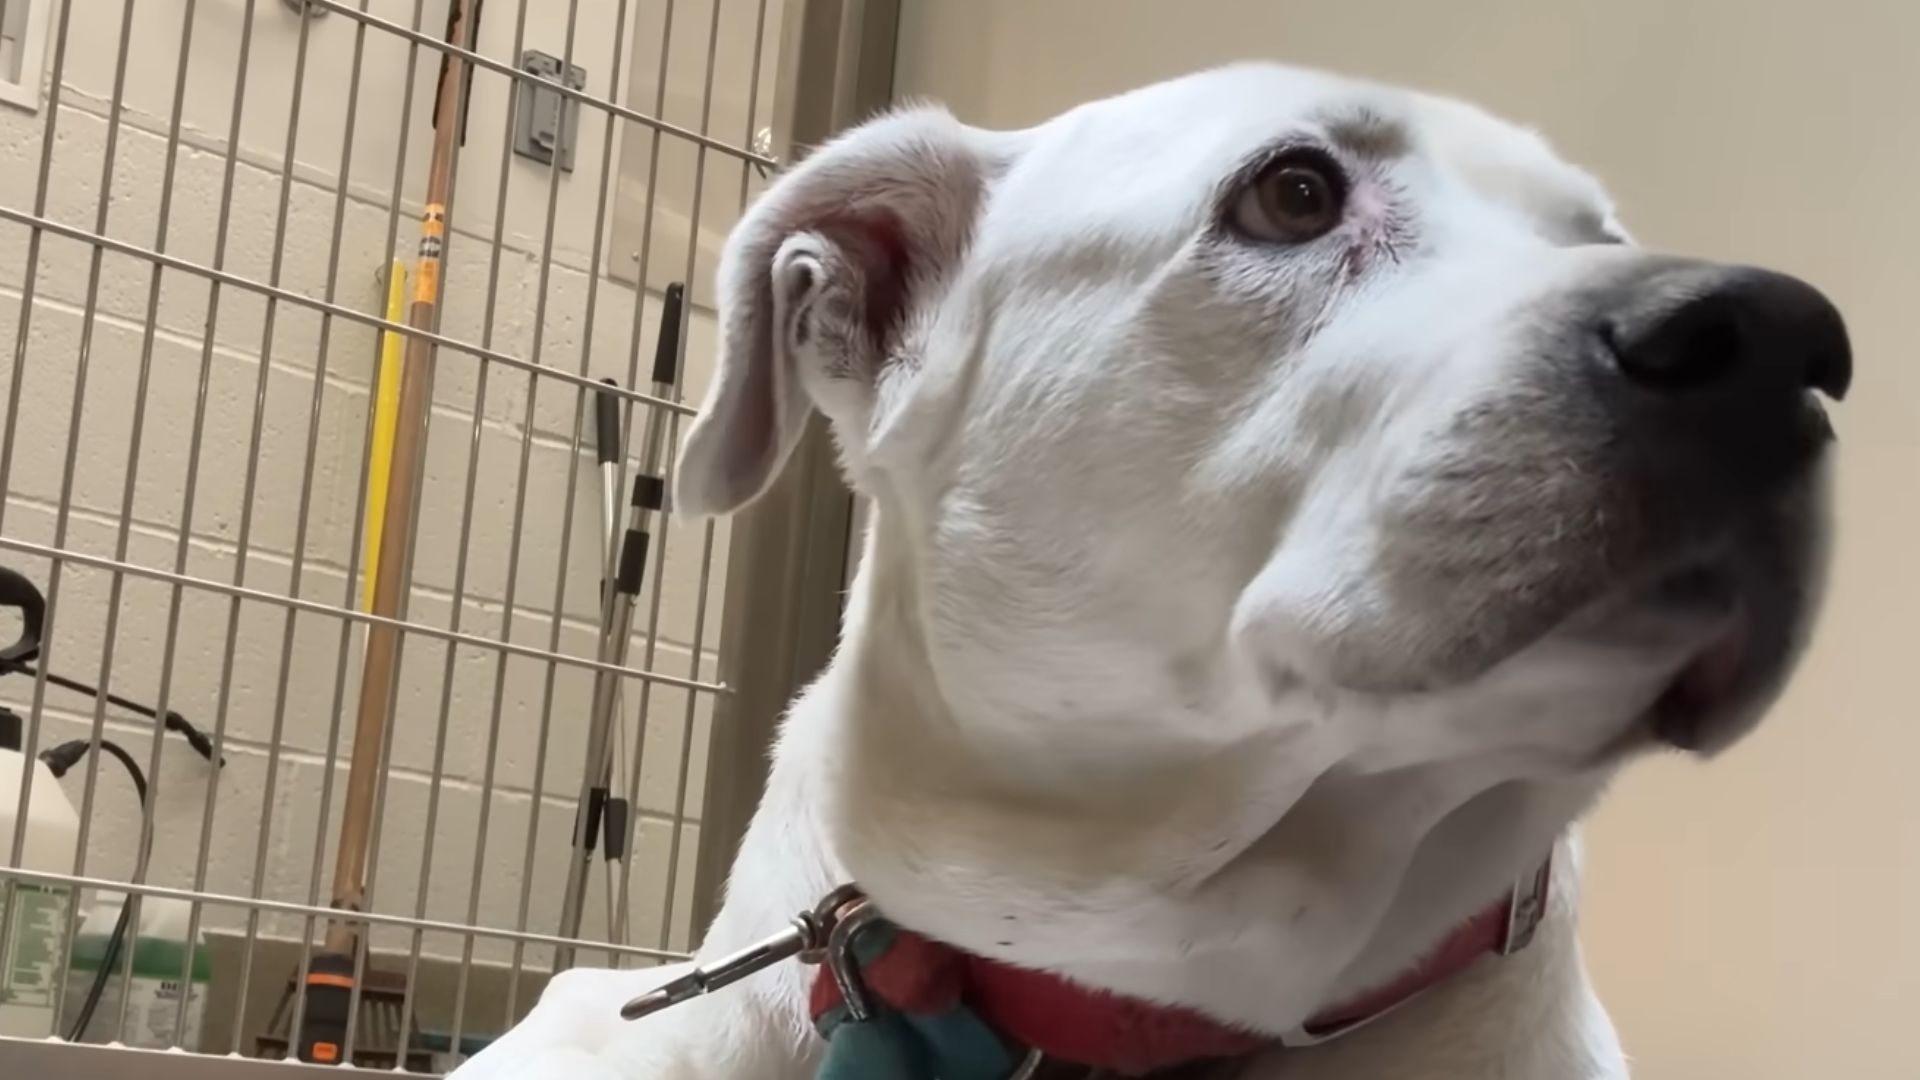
column 33, row 915
column 156, row 989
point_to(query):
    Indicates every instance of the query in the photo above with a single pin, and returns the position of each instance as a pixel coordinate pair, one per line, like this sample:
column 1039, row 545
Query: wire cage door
column 353, row 675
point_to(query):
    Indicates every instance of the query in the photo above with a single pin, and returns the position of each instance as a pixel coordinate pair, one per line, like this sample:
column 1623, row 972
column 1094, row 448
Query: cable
column 59, row 760
column 174, row 721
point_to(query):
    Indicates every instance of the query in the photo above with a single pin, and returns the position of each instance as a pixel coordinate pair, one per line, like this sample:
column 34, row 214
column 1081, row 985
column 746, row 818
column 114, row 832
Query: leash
column 923, row 1029
column 892, row 1004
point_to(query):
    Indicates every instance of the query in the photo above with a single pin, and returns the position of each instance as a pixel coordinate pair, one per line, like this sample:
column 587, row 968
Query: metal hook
column 849, row 920
column 812, row 936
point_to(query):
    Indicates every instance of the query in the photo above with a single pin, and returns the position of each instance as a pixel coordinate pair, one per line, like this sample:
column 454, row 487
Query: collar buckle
column 1526, row 908
column 845, row 914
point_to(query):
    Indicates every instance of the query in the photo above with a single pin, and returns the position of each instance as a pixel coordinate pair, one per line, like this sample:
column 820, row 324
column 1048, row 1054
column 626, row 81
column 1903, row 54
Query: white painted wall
column 521, row 319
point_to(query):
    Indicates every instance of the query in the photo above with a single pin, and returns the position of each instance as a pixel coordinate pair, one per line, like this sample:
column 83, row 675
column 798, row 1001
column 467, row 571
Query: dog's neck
column 1533, row 1014
column 1202, row 882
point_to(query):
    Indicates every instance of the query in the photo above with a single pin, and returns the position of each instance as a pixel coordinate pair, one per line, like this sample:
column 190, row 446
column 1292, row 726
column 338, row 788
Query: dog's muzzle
column 1652, row 449
column 1710, row 378
column 1712, row 371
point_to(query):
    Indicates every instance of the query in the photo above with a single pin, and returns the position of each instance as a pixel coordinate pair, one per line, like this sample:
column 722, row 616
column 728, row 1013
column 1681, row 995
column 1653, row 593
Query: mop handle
column 666, row 348
column 606, row 445
column 606, row 423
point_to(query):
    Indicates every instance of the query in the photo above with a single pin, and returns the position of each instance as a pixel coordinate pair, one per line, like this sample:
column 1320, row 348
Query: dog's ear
column 816, row 286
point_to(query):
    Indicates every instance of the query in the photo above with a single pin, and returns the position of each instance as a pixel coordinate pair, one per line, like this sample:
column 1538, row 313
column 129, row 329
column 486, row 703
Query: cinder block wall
column 284, row 395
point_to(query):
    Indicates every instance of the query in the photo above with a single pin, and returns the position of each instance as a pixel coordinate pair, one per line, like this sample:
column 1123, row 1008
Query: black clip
column 18, row 592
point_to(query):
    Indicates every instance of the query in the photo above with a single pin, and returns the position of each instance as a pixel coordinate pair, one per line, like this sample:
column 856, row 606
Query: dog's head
column 1262, row 393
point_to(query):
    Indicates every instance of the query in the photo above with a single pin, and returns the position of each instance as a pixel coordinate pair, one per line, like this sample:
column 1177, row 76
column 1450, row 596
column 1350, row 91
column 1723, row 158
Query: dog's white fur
column 1122, row 694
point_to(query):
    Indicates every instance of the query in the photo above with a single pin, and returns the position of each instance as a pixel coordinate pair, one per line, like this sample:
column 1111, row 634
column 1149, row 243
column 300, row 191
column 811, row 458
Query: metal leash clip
column 821, row 935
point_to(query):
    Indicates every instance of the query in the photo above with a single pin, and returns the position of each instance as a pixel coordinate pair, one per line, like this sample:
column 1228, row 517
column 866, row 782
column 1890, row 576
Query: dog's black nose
column 1745, row 337
column 1711, row 374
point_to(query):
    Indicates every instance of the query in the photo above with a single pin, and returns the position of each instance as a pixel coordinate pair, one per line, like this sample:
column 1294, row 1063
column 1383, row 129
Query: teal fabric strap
column 894, row 1045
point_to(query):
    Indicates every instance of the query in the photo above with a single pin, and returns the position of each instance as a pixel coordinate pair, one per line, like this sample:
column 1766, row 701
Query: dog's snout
column 1711, row 374
column 1746, row 337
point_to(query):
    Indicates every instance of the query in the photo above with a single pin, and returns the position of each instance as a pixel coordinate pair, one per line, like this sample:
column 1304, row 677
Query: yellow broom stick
column 386, row 413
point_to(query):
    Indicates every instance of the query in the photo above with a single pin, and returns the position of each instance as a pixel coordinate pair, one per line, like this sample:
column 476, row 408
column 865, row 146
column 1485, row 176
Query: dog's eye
column 1297, row 197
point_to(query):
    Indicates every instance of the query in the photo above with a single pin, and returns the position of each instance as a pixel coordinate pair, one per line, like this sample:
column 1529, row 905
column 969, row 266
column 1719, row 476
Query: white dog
column 1295, row 498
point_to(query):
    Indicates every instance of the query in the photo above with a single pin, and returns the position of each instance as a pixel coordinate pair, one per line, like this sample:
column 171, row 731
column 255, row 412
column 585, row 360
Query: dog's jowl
column 1294, row 498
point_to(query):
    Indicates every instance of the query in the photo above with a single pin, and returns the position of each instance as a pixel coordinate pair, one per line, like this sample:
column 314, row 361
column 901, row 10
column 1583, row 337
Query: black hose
column 115, row 942
column 196, row 738
column 59, row 760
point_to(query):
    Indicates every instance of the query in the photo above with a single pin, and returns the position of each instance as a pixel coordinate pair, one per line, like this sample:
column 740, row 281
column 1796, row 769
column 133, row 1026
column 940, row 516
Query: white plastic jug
column 33, row 915
column 157, row 993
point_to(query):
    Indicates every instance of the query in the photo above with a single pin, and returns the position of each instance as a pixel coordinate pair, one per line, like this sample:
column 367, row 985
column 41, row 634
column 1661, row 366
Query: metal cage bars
column 793, row 548
column 806, row 517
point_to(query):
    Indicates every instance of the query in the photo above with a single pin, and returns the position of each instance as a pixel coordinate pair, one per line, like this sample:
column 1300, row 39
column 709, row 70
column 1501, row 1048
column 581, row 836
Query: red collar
column 1502, row 929
column 1068, row 1022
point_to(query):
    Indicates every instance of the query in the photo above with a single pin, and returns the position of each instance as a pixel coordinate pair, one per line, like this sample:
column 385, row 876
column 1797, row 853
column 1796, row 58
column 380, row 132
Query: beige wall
column 558, row 334
column 1756, row 919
